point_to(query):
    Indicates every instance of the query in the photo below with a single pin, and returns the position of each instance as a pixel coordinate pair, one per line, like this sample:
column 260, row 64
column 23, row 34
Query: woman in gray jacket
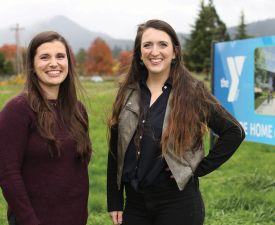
column 157, row 126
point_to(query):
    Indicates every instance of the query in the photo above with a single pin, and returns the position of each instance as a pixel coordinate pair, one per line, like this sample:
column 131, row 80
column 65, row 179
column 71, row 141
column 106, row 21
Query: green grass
column 242, row 191
column 259, row 101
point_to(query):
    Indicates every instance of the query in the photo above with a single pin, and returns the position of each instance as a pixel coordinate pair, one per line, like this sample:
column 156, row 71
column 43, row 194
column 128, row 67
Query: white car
column 97, row 79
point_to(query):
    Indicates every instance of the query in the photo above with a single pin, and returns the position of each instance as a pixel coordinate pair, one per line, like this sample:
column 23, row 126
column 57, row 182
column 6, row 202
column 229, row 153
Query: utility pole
column 18, row 56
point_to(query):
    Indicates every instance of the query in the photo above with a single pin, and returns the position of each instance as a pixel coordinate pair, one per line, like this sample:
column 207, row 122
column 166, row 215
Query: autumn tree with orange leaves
column 125, row 59
column 9, row 50
column 99, row 58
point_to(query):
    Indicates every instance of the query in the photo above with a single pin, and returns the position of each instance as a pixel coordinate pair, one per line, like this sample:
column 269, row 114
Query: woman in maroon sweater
column 44, row 141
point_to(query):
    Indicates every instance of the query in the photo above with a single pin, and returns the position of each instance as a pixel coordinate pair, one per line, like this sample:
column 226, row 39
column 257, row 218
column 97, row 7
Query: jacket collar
column 143, row 79
column 133, row 86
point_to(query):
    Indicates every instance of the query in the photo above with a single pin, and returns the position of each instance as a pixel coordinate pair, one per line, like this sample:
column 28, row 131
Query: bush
column 8, row 68
column 258, row 94
column 14, row 80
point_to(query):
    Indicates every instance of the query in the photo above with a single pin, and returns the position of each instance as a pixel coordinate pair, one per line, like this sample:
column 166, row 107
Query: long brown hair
column 191, row 102
column 71, row 110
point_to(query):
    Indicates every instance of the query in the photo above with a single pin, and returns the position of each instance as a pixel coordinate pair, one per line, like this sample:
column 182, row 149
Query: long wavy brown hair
column 191, row 102
column 71, row 110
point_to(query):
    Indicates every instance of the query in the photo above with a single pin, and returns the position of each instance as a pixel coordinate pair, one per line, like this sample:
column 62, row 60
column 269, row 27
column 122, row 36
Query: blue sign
column 244, row 83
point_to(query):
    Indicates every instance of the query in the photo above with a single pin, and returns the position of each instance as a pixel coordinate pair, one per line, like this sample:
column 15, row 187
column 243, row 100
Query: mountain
column 182, row 37
column 77, row 36
column 80, row 37
column 258, row 29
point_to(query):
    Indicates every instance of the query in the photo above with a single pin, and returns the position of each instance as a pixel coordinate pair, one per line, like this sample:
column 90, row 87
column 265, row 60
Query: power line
column 18, row 55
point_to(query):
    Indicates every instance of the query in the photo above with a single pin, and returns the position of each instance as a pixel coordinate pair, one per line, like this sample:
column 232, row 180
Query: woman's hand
column 116, row 217
column 168, row 169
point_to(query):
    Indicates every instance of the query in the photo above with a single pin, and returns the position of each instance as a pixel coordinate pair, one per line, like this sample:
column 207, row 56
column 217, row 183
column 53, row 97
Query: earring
column 141, row 63
column 173, row 61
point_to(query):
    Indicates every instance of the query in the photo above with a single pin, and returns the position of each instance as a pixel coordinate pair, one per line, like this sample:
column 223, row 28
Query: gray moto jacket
column 181, row 168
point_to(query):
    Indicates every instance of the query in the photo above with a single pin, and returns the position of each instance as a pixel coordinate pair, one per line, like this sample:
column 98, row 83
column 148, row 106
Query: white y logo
column 235, row 65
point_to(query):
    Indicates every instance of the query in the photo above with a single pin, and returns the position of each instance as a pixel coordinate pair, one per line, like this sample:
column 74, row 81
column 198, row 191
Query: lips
column 156, row 61
column 53, row 73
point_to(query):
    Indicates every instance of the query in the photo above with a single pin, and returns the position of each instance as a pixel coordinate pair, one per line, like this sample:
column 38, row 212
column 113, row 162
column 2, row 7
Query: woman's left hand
column 168, row 169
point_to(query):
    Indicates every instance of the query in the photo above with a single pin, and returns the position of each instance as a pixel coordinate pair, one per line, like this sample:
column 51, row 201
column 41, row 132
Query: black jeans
column 13, row 220
column 165, row 204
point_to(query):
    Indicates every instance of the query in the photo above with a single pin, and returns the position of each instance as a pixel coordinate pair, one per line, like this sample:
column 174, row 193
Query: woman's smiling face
column 51, row 64
column 157, row 51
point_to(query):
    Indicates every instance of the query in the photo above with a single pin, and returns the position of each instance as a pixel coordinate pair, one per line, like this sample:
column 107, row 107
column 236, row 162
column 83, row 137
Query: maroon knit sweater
column 39, row 188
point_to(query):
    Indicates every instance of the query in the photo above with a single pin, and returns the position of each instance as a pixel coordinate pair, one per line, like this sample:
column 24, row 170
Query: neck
column 156, row 79
column 51, row 92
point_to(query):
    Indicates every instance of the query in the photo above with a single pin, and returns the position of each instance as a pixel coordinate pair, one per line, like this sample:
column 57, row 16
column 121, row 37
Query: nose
column 155, row 50
column 53, row 62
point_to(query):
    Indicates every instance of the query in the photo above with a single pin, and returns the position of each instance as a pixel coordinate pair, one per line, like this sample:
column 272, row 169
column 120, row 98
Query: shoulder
column 17, row 104
column 17, row 109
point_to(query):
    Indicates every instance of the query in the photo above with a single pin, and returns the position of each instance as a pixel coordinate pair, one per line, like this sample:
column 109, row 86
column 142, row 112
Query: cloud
column 119, row 18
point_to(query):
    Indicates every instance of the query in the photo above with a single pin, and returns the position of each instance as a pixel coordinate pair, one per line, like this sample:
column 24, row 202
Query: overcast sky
column 119, row 18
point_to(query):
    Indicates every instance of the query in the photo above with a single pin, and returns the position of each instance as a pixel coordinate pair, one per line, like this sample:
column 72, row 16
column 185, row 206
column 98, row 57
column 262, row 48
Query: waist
column 169, row 183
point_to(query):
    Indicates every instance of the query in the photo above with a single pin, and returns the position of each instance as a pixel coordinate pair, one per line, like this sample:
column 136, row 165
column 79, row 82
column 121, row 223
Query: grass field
column 242, row 191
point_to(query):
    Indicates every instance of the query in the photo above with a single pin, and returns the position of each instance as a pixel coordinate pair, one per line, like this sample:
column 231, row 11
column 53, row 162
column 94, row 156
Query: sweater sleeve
column 14, row 124
column 115, row 199
column 231, row 135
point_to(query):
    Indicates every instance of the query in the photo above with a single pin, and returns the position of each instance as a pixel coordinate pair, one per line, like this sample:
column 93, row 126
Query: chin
column 156, row 71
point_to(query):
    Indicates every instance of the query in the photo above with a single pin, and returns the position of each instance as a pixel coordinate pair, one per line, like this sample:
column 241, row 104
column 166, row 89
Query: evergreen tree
column 8, row 68
column 241, row 29
column 2, row 61
column 260, row 66
column 24, row 58
column 81, row 58
column 197, row 48
column 116, row 52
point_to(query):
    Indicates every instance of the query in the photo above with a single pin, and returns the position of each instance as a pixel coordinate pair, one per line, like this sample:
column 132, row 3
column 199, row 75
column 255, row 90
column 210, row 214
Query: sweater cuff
column 112, row 208
column 29, row 220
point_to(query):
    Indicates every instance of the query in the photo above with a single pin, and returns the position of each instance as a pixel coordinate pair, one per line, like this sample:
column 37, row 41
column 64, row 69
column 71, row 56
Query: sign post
column 212, row 137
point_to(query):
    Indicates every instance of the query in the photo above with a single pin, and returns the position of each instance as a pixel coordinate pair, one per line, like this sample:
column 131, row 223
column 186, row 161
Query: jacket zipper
column 131, row 135
column 191, row 169
column 128, row 108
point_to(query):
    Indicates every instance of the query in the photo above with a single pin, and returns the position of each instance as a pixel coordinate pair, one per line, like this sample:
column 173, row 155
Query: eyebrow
column 47, row 54
column 146, row 42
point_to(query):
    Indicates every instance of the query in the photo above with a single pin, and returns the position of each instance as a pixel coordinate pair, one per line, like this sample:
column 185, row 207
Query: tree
column 11, row 53
column 9, row 50
column 241, row 29
column 72, row 55
column 24, row 57
column 197, row 48
column 125, row 59
column 116, row 52
column 260, row 66
column 8, row 68
column 99, row 58
column 2, row 61
column 81, row 58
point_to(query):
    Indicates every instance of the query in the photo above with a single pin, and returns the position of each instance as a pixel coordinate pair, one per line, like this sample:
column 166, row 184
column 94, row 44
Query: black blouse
column 228, row 142
column 145, row 167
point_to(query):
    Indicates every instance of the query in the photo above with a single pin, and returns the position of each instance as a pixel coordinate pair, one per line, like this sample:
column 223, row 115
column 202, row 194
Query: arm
column 230, row 138
column 115, row 199
column 14, row 124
